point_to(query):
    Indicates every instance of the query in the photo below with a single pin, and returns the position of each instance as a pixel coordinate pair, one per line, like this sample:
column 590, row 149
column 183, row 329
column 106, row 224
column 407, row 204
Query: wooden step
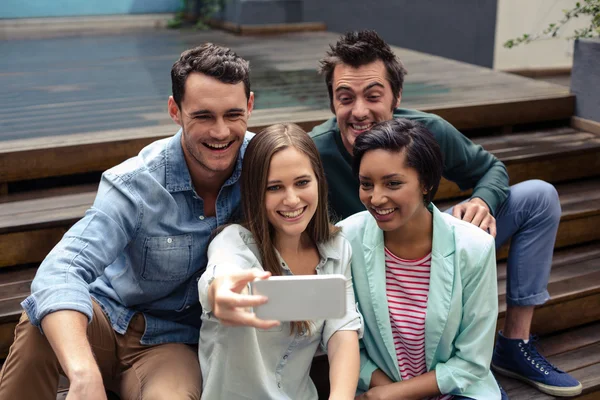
column 553, row 155
column 580, row 204
column 574, row 288
column 30, row 228
column 577, row 352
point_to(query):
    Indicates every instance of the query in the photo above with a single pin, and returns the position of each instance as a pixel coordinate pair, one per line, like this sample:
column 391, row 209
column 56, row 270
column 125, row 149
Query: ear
column 399, row 99
column 250, row 104
column 173, row 109
column 424, row 190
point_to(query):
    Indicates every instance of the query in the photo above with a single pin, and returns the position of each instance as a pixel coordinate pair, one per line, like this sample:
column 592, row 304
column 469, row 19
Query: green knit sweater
column 465, row 163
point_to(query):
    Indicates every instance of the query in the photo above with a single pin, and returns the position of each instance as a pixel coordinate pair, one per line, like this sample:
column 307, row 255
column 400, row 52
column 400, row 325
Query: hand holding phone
column 301, row 298
column 231, row 305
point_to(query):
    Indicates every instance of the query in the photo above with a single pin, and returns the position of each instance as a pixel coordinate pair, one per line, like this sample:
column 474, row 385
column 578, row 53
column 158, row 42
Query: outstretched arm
column 222, row 288
column 344, row 364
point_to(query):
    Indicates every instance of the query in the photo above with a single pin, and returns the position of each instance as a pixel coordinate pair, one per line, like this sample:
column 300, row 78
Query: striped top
column 407, row 288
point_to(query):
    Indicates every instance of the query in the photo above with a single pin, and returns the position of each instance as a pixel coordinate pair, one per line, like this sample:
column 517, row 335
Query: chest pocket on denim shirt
column 167, row 258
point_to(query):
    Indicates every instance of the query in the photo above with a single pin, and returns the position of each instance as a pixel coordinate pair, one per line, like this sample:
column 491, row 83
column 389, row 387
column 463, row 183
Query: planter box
column 585, row 78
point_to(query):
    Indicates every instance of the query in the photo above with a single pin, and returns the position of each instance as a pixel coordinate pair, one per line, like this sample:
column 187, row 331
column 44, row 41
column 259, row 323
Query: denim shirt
column 248, row 363
column 141, row 247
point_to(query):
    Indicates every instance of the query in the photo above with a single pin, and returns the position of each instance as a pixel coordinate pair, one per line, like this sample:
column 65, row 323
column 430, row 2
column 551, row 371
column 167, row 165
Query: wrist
column 480, row 201
column 83, row 372
column 339, row 396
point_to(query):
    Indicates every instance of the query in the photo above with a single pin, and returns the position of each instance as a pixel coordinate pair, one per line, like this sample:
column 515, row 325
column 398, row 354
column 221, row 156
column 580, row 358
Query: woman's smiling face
column 389, row 189
column 292, row 192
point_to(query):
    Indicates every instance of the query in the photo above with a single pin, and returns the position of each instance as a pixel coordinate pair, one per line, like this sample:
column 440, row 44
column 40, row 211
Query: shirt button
column 279, row 385
column 186, row 307
column 169, row 240
column 285, row 357
column 201, row 217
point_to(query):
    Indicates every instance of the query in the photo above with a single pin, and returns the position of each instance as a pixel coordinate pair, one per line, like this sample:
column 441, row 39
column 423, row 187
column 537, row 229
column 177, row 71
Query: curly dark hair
column 359, row 48
column 212, row 60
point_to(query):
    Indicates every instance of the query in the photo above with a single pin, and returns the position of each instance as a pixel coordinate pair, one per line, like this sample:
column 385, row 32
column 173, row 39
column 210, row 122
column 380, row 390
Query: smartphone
column 301, row 298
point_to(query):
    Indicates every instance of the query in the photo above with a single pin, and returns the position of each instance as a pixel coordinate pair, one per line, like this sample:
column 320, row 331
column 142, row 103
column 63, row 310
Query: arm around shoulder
column 470, row 166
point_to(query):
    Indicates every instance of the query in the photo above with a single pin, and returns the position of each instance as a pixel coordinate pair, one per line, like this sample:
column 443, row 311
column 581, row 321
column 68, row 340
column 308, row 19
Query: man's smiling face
column 361, row 97
column 214, row 117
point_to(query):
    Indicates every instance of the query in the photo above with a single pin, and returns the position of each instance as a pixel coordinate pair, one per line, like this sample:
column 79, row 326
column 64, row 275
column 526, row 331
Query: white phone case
column 301, row 298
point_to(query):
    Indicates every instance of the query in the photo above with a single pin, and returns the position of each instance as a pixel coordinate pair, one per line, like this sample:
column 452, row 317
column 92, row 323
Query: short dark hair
column 421, row 149
column 212, row 60
column 359, row 48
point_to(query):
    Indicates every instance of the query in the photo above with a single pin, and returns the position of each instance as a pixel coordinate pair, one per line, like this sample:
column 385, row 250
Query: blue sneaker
column 516, row 359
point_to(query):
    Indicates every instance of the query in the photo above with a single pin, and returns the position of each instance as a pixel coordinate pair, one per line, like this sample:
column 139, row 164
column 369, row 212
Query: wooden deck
column 95, row 101
column 73, row 86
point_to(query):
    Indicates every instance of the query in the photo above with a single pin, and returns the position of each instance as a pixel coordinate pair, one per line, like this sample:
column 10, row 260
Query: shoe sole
column 548, row 389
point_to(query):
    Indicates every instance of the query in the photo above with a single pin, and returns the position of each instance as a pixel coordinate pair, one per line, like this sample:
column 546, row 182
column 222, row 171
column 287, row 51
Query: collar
column 443, row 235
column 178, row 177
column 327, row 251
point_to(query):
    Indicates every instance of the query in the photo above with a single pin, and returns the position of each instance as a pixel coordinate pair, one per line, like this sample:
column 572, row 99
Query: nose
column 220, row 129
column 360, row 110
column 291, row 198
column 378, row 198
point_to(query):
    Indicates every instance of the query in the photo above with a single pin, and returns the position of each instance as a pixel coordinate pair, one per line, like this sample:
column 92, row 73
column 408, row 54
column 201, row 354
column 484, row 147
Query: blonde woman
column 285, row 231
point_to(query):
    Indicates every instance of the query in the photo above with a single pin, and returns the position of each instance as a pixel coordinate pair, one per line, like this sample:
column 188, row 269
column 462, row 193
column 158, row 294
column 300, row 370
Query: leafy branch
column 587, row 7
column 208, row 8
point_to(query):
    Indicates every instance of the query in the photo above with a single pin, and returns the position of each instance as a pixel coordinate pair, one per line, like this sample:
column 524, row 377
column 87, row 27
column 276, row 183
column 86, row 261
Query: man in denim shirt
column 115, row 303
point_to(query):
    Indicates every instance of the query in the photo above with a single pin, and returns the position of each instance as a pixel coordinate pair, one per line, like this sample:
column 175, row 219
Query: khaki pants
column 130, row 369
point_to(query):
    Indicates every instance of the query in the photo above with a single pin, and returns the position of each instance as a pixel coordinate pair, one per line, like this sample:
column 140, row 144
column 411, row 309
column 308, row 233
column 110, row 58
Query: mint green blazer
column 462, row 306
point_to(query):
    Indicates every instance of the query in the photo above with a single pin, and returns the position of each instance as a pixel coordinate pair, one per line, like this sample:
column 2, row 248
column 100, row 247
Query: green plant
column 585, row 8
column 207, row 9
column 178, row 18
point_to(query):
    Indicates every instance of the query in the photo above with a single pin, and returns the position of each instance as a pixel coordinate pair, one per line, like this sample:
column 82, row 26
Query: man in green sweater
column 364, row 79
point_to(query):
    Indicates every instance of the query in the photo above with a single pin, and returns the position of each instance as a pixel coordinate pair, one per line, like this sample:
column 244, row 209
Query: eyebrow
column 369, row 87
column 372, row 85
column 209, row 112
column 388, row 176
column 343, row 87
column 296, row 178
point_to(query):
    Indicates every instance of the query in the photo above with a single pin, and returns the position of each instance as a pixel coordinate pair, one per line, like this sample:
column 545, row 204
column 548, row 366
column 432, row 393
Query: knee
column 548, row 199
column 543, row 198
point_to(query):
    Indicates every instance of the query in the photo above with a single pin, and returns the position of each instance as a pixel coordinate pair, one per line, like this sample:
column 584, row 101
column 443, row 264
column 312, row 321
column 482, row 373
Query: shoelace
column 539, row 361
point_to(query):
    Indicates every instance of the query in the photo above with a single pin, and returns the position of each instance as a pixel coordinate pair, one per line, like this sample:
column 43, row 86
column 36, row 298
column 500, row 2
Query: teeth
column 217, row 146
column 292, row 214
column 361, row 127
column 384, row 212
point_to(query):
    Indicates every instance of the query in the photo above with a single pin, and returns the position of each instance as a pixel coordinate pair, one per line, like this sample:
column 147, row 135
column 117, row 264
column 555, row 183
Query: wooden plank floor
column 80, row 85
